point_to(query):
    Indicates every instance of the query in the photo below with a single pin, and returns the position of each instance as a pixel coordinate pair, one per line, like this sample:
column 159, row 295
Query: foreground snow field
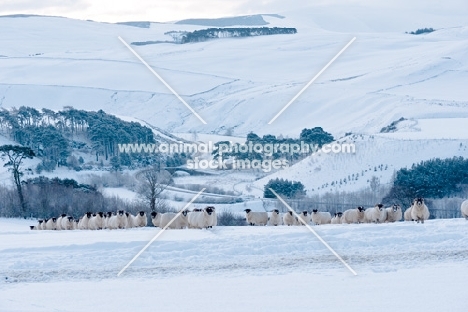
column 401, row 267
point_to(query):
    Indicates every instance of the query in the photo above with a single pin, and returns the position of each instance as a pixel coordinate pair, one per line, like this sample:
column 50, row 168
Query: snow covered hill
column 242, row 83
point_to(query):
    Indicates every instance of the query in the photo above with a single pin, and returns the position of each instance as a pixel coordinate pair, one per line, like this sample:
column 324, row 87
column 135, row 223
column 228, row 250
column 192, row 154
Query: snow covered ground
column 401, row 267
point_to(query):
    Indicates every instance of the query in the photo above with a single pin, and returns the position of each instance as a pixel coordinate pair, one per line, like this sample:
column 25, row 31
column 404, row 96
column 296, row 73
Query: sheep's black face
column 209, row 210
column 40, row 221
column 127, row 214
column 290, row 212
column 88, row 215
column 70, row 219
column 142, row 213
column 276, row 210
column 340, row 214
column 121, row 212
column 101, row 214
column 361, row 209
column 304, row 213
column 247, row 210
column 185, row 212
column 32, row 227
column 315, row 210
column 63, row 215
column 395, row 208
column 419, row 201
column 109, row 214
column 153, row 214
column 54, row 219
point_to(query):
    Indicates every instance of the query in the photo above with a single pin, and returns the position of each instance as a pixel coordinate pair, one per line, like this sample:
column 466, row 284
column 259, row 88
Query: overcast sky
column 171, row 10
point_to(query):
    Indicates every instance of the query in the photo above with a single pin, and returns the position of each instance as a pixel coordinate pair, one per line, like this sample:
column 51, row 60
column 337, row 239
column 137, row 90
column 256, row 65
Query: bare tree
column 152, row 182
column 15, row 154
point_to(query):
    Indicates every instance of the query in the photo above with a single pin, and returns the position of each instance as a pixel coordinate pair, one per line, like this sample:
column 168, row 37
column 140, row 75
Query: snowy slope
column 234, row 263
column 242, row 83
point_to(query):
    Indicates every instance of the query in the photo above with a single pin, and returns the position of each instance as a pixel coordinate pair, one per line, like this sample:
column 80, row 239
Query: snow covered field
column 401, row 267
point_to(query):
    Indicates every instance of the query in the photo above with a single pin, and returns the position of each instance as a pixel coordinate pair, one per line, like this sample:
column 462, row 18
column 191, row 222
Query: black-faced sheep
column 355, row 215
column 256, row 217
column 321, row 217
column 140, row 219
column 394, row 213
column 67, row 223
column 419, row 210
column 376, row 214
column 96, row 222
column 304, row 218
column 51, row 224
column 59, row 221
column 119, row 220
column 337, row 218
column 275, row 218
column 289, row 219
column 156, row 218
column 180, row 222
column 200, row 219
column 84, row 221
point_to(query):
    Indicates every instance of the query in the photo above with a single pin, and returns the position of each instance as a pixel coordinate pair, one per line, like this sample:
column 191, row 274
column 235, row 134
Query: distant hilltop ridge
column 247, row 20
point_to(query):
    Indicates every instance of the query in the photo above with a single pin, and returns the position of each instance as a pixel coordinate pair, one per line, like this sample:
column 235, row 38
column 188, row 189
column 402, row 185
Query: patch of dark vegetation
column 421, row 31
column 391, row 127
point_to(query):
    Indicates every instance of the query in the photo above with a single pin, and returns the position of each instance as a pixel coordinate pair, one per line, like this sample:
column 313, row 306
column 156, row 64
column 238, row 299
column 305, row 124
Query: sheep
column 140, row 219
column 75, row 224
column 256, row 218
column 67, row 223
column 337, row 218
column 51, row 224
column 394, row 213
column 355, row 215
column 212, row 218
column 118, row 221
column 376, row 214
column 464, row 209
column 96, row 222
column 40, row 225
column 275, row 218
column 407, row 214
column 321, row 217
column 419, row 210
column 109, row 214
column 59, row 221
column 155, row 218
column 180, row 222
column 289, row 219
column 84, row 221
column 130, row 220
column 304, row 218
column 201, row 219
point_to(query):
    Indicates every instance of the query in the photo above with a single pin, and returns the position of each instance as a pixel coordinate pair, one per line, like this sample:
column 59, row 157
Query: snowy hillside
column 242, row 268
column 386, row 74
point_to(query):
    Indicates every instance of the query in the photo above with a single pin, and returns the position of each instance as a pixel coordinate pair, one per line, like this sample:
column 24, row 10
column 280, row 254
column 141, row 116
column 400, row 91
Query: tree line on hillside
column 215, row 33
column 53, row 135
column 315, row 136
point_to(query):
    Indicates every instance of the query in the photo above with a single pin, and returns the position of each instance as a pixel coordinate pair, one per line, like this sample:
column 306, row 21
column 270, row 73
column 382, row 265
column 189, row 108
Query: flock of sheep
column 206, row 218
column 96, row 221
